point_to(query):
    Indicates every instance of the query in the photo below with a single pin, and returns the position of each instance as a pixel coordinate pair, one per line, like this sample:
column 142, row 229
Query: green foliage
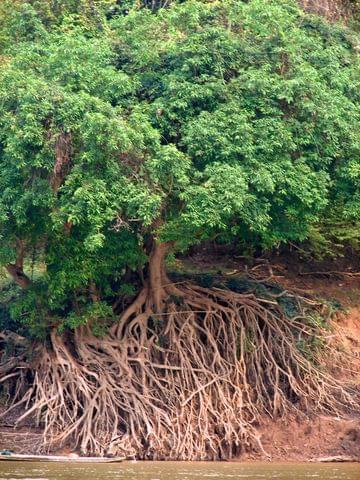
column 248, row 93
column 29, row 20
column 335, row 236
column 98, row 315
column 8, row 294
column 205, row 119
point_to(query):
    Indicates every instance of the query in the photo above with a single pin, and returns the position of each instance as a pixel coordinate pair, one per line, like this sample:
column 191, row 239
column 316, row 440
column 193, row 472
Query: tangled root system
column 186, row 373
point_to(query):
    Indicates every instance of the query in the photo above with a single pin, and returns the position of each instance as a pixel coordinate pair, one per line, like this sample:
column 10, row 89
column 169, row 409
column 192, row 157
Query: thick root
column 190, row 380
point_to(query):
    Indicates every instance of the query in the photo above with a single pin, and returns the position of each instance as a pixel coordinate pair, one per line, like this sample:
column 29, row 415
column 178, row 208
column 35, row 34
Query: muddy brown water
column 178, row 471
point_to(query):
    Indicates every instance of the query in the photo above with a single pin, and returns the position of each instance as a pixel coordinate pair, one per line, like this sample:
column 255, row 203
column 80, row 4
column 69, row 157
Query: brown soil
column 300, row 439
column 297, row 438
column 303, row 438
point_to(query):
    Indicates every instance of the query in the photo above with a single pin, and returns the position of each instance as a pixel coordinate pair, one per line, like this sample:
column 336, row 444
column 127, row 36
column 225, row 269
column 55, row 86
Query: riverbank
column 297, row 437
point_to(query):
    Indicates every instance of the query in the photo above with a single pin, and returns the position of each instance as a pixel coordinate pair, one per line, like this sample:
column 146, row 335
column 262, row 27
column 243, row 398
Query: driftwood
column 57, row 458
column 336, row 459
column 332, row 272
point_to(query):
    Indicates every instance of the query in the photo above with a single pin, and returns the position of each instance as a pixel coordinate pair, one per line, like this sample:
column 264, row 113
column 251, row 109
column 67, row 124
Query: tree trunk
column 94, row 292
column 63, row 152
column 157, row 275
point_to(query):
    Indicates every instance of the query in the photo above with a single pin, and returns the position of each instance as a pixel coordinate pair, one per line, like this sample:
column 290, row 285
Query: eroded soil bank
column 295, row 438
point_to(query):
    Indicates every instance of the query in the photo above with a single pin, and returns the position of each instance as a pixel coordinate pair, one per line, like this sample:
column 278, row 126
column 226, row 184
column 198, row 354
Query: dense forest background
column 131, row 132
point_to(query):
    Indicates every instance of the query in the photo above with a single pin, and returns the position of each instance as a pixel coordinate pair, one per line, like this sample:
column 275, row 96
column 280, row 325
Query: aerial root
column 187, row 379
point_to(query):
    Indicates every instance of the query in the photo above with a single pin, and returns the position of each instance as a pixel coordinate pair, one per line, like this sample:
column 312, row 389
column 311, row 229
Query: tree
column 123, row 145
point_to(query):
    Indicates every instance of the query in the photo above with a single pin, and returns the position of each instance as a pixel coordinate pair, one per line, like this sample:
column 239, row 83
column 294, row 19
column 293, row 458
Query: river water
column 178, row 471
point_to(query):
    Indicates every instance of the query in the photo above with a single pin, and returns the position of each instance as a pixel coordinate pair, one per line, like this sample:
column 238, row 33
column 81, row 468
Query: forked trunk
column 16, row 270
column 18, row 275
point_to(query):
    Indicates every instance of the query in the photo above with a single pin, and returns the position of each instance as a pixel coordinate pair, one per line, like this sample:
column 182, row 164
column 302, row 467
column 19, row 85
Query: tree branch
column 16, row 270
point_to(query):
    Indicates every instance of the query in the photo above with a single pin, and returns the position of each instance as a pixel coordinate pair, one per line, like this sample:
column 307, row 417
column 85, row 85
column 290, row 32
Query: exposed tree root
column 186, row 373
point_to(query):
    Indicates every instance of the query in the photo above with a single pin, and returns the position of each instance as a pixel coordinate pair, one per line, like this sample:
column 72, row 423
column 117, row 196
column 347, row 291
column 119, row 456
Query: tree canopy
column 230, row 119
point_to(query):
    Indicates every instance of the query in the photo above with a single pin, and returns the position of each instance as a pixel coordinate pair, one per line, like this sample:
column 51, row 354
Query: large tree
column 121, row 145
